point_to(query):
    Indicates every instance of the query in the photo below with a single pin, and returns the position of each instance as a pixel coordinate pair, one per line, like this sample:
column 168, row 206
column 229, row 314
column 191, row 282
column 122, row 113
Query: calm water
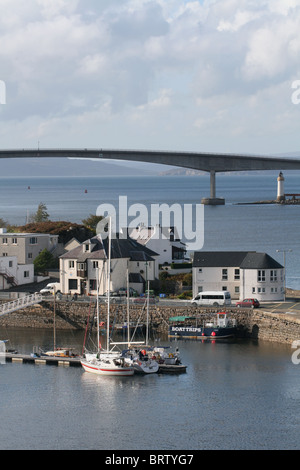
column 231, row 227
column 240, row 395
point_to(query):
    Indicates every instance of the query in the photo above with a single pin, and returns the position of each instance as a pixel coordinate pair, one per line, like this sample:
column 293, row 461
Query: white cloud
column 150, row 73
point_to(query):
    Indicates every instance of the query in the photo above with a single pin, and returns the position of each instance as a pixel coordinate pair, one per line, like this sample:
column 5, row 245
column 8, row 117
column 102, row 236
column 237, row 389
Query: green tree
column 41, row 214
column 92, row 221
column 43, row 262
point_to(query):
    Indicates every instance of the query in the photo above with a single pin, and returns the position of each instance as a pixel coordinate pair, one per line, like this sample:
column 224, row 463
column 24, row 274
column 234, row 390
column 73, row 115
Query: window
column 237, row 289
column 273, row 290
column 26, row 273
column 224, row 288
column 261, row 275
column 199, row 270
column 95, row 264
column 29, row 255
column 253, row 290
column 4, row 241
column 10, row 264
column 93, row 284
column 261, row 290
column 14, row 241
column 4, row 254
column 236, row 274
column 72, row 284
column 71, row 264
column 273, row 275
column 224, row 274
column 33, row 240
column 200, row 288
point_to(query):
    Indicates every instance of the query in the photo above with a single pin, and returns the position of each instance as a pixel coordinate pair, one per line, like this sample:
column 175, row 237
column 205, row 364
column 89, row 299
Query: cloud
column 195, row 75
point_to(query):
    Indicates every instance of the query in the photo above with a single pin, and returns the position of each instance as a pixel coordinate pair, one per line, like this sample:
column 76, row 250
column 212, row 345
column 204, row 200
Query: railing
column 9, row 277
column 20, row 303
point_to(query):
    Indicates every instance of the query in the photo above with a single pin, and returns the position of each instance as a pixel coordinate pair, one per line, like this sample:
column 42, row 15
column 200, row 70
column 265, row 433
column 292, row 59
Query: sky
column 209, row 75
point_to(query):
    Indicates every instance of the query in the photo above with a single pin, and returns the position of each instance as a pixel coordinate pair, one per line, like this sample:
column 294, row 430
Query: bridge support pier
column 213, row 200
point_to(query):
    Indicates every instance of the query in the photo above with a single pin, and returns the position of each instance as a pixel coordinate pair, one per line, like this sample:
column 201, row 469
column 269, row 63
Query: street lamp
column 284, row 278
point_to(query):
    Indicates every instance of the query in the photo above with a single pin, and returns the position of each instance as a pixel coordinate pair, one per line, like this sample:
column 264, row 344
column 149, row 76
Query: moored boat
column 222, row 328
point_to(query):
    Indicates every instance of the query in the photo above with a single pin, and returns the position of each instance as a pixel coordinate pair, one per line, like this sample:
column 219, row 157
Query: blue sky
column 211, row 75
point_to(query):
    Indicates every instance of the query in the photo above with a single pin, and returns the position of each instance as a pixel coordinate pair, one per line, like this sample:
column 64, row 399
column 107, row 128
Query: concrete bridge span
column 209, row 162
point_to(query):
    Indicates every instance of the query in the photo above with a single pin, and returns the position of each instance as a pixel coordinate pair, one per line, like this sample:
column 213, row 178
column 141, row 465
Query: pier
column 74, row 362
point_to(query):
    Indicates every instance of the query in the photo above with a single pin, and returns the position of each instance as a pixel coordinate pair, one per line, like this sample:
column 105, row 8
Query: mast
column 108, row 296
column 128, row 328
column 97, row 304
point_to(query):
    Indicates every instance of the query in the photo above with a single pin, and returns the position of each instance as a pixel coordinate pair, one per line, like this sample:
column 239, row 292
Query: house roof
column 120, row 248
column 238, row 259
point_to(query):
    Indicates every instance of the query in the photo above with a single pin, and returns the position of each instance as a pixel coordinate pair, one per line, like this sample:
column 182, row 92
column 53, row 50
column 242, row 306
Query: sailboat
column 109, row 362
column 138, row 357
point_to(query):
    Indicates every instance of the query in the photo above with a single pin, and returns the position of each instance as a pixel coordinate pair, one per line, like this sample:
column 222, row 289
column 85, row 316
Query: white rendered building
column 243, row 273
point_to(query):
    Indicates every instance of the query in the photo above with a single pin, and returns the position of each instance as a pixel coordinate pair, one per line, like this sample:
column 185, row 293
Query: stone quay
column 252, row 323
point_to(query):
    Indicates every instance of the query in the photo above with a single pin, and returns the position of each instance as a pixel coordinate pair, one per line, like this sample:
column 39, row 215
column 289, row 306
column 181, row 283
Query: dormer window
column 86, row 247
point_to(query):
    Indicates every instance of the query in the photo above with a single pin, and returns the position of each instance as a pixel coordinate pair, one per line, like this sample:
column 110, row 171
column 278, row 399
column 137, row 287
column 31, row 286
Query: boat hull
column 191, row 332
column 144, row 368
column 102, row 369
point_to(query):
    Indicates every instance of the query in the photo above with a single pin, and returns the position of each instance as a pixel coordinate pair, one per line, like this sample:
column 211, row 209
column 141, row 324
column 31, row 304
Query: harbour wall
column 256, row 323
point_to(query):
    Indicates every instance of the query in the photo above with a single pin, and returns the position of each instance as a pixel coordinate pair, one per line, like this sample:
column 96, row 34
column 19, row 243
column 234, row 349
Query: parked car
column 132, row 292
column 248, row 303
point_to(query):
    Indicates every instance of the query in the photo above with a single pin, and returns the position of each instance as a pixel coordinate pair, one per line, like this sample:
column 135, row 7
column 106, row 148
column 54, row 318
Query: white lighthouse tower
column 280, row 188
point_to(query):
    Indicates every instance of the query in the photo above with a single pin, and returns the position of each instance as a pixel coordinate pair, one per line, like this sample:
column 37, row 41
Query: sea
column 236, row 395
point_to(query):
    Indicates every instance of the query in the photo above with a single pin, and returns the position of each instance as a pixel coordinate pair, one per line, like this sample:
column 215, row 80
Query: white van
column 50, row 288
column 212, row 298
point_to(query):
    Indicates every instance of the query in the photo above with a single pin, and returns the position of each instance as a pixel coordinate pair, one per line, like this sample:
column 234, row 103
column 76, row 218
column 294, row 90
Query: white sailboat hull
column 99, row 368
column 109, row 363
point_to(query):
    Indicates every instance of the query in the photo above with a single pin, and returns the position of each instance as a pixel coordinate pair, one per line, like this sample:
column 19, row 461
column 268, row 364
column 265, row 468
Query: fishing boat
column 109, row 362
column 223, row 328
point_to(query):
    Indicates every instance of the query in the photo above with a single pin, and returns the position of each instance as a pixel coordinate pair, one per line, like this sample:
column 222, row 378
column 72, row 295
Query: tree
column 92, row 221
column 44, row 261
column 41, row 214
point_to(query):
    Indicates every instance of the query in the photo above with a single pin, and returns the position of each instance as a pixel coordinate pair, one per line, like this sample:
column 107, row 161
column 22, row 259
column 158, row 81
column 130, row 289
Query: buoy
column 85, row 191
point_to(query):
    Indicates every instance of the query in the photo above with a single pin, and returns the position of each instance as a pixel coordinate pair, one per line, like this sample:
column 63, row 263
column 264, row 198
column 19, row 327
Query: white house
column 162, row 240
column 13, row 274
column 243, row 273
column 79, row 266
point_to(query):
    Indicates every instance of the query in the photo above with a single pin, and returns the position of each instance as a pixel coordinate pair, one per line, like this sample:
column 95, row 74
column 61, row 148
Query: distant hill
column 16, row 167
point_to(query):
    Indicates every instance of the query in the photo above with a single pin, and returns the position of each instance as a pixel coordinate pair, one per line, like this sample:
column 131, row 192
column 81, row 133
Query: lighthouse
column 280, row 188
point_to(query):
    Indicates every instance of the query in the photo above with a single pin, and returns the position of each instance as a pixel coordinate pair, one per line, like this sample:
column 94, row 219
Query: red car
column 248, row 303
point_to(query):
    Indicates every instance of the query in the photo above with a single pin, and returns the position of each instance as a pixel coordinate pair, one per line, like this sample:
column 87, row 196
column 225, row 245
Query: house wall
column 247, row 285
column 23, row 247
column 214, row 279
column 23, row 274
column 272, row 288
column 69, row 270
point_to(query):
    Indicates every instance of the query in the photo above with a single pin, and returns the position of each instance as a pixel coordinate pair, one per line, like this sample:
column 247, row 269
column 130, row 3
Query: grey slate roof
column 235, row 259
column 120, row 248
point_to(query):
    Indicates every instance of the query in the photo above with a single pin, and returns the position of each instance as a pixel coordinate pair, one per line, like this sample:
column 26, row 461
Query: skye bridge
column 209, row 162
